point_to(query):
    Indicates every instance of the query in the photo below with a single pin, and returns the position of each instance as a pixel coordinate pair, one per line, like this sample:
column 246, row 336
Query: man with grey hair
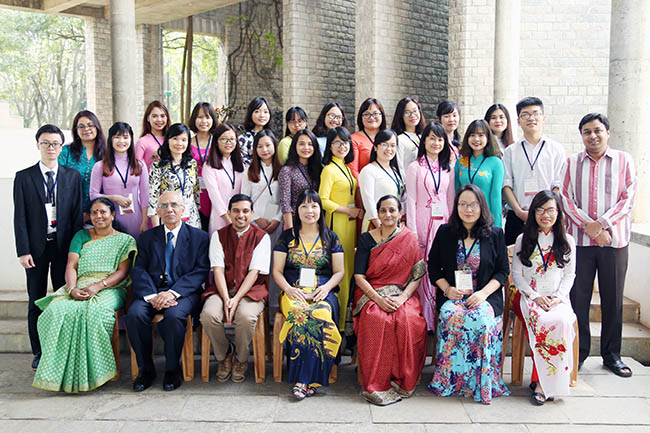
column 168, row 273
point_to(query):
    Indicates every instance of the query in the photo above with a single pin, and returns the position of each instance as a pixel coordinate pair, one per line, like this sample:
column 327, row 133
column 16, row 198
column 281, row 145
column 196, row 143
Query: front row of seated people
column 468, row 263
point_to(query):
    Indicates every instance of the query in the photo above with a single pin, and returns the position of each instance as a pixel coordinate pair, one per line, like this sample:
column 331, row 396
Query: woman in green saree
column 76, row 325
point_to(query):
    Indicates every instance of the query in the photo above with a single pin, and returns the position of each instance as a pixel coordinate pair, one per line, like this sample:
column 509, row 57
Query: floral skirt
column 312, row 338
column 469, row 352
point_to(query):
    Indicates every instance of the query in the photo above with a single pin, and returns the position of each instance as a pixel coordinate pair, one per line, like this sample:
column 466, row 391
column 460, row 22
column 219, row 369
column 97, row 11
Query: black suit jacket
column 493, row 263
column 190, row 262
column 30, row 219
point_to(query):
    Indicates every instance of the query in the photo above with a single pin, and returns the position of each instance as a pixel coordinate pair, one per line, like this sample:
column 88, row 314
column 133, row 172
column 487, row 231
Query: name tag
column 202, row 183
column 464, row 281
column 50, row 211
column 186, row 215
column 307, row 277
column 436, row 210
column 530, row 186
column 544, row 287
column 128, row 209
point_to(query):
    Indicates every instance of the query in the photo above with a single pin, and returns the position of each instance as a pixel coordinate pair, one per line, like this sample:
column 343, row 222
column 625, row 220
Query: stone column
column 629, row 91
column 124, row 48
column 506, row 54
column 98, row 69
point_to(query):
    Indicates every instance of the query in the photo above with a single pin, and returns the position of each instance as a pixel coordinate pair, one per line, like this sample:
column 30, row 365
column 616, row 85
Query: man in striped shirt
column 598, row 194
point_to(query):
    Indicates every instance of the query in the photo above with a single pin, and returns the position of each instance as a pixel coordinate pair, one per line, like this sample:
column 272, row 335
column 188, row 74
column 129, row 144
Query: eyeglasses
column 550, row 211
column 335, row 117
column 340, row 144
column 411, row 113
column 54, row 145
column 227, row 140
column 368, row 115
column 165, row 206
column 535, row 115
column 82, row 127
column 471, row 206
column 387, row 146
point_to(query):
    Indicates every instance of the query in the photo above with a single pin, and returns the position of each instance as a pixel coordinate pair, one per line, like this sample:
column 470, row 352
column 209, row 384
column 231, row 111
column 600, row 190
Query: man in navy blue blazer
column 169, row 270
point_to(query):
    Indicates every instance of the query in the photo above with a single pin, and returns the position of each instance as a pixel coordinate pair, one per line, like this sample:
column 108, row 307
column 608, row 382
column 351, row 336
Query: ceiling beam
column 60, row 5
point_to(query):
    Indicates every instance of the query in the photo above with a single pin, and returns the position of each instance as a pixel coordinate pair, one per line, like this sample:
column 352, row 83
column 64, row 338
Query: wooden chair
column 261, row 347
column 278, row 352
column 187, row 356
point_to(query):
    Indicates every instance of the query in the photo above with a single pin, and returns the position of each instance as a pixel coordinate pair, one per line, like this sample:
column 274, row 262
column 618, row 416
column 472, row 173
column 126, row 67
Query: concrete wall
column 564, row 59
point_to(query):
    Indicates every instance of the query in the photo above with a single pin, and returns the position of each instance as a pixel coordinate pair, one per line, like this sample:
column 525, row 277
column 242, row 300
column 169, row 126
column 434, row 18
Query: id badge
column 50, row 211
column 202, row 183
column 128, row 209
column 543, row 287
column 307, row 277
column 436, row 210
column 464, row 281
column 186, row 214
column 530, row 186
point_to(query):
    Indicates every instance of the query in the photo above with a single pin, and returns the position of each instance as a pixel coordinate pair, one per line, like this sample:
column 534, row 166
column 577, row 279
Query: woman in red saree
column 388, row 320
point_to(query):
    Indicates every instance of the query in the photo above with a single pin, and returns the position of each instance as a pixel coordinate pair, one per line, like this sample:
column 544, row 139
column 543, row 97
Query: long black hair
column 483, row 225
column 445, row 154
column 561, row 249
column 383, row 136
column 446, row 107
column 166, row 155
column 398, row 124
column 256, row 163
column 109, row 156
column 208, row 110
column 314, row 166
column 252, row 106
column 100, row 141
column 490, row 149
column 320, row 129
column 215, row 155
column 345, row 136
column 506, row 136
column 309, row 195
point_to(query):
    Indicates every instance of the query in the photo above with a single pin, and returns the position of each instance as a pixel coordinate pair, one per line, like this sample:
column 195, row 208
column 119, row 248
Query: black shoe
column 171, row 381
column 144, row 380
column 36, row 360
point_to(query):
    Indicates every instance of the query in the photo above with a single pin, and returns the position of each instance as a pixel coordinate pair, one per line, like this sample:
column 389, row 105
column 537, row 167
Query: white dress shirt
column 44, row 170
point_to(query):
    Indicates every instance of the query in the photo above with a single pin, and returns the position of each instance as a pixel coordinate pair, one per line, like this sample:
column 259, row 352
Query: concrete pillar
column 124, row 48
column 98, row 70
column 506, row 54
column 629, row 91
column 149, row 69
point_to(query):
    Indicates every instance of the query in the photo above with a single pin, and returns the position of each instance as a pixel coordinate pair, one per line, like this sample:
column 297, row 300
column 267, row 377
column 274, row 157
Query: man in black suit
column 171, row 266
column 47, row 213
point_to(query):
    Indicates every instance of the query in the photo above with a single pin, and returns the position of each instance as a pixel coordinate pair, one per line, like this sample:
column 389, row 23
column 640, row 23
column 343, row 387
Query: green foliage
column 42, row 67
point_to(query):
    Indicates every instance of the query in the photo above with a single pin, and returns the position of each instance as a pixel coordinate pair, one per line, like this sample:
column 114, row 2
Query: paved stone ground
column 601, row 402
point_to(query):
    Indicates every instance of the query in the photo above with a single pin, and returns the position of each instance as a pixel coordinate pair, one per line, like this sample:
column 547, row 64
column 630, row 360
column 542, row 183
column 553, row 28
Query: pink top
column 146, row 149
column 200, row 158
column 361, row 146
column 221, row 185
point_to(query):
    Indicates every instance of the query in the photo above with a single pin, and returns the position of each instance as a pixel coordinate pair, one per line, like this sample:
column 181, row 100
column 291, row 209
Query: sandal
column 618, row 368
column 538, row 399
column 312, row 391
column 299, row 393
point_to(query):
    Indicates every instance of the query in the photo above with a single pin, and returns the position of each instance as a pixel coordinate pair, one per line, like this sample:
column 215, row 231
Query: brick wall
column 564, row 60
column 98, row 70
column 149, row 68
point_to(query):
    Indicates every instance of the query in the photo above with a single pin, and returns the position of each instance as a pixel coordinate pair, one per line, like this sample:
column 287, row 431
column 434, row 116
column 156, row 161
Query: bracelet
column 104, row 283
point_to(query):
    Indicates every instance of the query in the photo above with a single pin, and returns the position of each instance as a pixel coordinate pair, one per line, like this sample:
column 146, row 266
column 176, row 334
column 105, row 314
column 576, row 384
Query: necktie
column 169, row 253
column 50, row 187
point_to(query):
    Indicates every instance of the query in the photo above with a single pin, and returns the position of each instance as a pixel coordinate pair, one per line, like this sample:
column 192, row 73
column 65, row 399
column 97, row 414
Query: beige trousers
column 212, row 320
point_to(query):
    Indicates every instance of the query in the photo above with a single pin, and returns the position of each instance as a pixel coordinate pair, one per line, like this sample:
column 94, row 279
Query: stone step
column 13, row 304
column 636, row 341
column 631, row 310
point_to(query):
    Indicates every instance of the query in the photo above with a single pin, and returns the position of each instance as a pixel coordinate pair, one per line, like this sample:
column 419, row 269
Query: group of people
column 396, row 231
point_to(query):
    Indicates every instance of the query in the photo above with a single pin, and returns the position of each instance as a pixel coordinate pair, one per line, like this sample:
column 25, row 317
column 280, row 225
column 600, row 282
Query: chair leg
column 115, row 342
column 205, row 356
column 259, row 350
column 267, row 336
column 518, row 352
column 576, row 355
column 278, row 350
column 506, row 337
column 188, row 352
column 134, row 364
column 355, row 355
column 334, row 374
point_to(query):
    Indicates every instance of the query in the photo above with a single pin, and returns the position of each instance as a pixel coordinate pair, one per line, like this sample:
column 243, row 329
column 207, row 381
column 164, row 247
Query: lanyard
column 125, row 178
column 466, row 253
column 348, row 176
column 544, row 261
column 417, row 145
column 51, row 191
column 532, row 166
column 179, row 178
column 307, row 178
column 395, row 179
column 234, row 175
column 436, row 184
column 371, row 140
column 203, row 157
column 268, row 184
column 305, row 249
column 154, row 137
column 469, row 168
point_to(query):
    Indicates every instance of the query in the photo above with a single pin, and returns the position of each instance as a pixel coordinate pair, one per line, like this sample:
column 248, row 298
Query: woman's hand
column 320, row 293
column 273, row 225
column 397, row 301
column 262, row 223
column 295, row 294
column 355, row 212
column 544, row 302
column 144, row 226
column 453, row 293
column 79, row 295
column 373, row 224
column 93, row 289
column 122, row 201
column 386, row 304
column 476, row 299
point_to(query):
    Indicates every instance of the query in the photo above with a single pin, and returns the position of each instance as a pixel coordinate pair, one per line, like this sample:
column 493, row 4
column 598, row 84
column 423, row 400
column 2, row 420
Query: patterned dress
column 76, row 335
column 310, row 331
column 293, row 180
column 165, row 177
column 84, row 166
column 246, row 146
column 469, row 344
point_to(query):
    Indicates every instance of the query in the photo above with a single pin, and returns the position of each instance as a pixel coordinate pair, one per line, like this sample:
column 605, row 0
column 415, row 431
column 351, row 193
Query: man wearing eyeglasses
column 47, row 213
column 532, row 163
column 168, row 273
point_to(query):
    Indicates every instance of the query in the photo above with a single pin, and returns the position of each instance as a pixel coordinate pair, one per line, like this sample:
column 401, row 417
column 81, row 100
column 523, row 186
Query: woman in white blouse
column 543, row 270
column 380, row 177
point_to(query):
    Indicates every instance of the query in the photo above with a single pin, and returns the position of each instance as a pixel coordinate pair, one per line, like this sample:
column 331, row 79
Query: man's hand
column 593, row 229
column 26, row 261
column 164, row 300
column 233, row 303
column 604, row 239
